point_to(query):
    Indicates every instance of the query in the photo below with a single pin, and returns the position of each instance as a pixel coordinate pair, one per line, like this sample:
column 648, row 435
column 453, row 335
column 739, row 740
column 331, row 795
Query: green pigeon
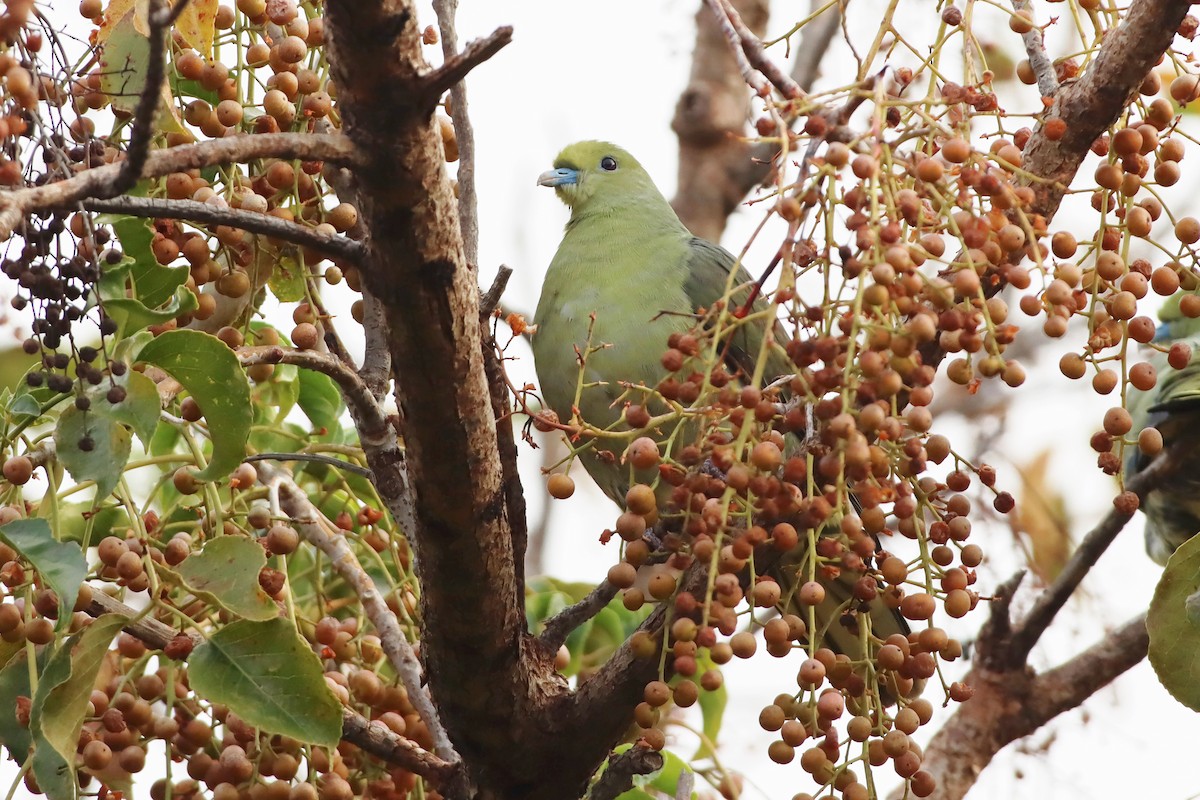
column 1172, row 406
column 627, row 275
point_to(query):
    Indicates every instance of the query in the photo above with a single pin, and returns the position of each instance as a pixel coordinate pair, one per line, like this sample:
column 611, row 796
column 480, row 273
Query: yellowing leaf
column 118, row 10
column 197, row 24
column 123, row 61
column 1041, row 515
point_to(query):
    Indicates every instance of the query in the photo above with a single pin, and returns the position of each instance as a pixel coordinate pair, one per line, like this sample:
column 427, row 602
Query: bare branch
column 192, row 211
column 752, row 46
column 491, row 298
column 372, row 737
column 559, row 627
column 1092, row 103
column 376, row 368
column 1051, row 601
column 456, row 67
column 142, row 127
column 318, row 531
column 99, row 182
column 619, row 773
column 1035, row 49
column 354, row 389
column 468, row 205
column 1010, row 704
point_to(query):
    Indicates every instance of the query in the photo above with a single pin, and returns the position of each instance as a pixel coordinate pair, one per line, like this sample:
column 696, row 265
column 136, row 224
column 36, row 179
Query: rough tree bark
column 508, row 712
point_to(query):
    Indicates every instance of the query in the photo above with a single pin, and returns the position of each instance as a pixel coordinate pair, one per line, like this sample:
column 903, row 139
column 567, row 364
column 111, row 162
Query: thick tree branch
column 715, row 166
column 372, row 737
column 141, row 129
column 100, row 182
column 1092, row 103
column 354, row 390
column 319, row 532
column 1008, row 705
column 619, row 773
column 458, row 65
column 599, row 710
column 490, row 680
column 559, row 627
column 336, row 246
column 376, row 368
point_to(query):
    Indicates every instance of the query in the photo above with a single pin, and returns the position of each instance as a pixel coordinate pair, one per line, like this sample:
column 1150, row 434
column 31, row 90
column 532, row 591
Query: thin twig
column 754, row 79
column 559, row 627
column 354, row 390
column 356, row 729
column 491, row 298
column 751, row 57
column 1035, row 49
column 455, row 68
column 468, row 204
column 337, row 246
column 313, row 458
column 98, row 182
column 1049, row 602
column 141, row 130
column 318, row 531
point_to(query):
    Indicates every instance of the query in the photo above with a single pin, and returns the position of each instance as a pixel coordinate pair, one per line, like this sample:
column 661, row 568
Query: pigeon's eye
column 608, row 164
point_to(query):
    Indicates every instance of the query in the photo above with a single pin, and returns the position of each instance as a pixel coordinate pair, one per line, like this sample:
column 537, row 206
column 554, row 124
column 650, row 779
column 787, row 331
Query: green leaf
column 1174, row 631
column 267, row 675
column 211, row 374
column 28, row 401
column 153, row 284
column 14, row 683
column 320, row 399
column 139, row 410
column 666, row 780
column 133, row 315
column 71, row 521
column 109, row 452
column 225, row 573
column 61, row 564
column 24, row 405
column 55, row 775
column 287, row 281
column 65, row 687
column 280, row 393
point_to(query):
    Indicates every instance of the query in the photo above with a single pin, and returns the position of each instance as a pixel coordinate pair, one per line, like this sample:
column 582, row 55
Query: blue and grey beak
column 559, row 177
